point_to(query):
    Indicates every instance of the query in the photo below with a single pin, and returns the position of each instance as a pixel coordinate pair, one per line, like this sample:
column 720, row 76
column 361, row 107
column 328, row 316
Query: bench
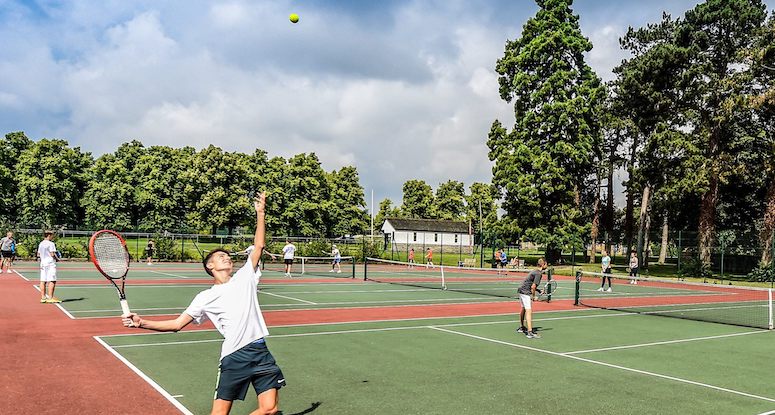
column 468, row 263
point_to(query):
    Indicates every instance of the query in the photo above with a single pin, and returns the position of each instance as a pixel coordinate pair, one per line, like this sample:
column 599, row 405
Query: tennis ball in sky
column 294, row 18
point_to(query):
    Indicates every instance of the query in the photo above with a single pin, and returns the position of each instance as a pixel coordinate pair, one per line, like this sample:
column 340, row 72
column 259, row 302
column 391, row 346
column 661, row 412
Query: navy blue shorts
column 252, row 364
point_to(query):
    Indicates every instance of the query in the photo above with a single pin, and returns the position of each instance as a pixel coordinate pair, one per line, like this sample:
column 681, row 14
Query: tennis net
column 312, row 266
column 725, row 304
column 483, row 281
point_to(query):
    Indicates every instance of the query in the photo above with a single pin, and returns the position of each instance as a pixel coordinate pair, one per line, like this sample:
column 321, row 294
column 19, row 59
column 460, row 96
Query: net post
column 365, row 265
column 769, row 301
column 578, row 288
column 549, row 275
column 353, row 260
column 443, row 281
column 303, row 264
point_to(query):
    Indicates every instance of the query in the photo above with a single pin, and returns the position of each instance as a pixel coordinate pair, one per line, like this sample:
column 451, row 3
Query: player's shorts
column 526, row 300
column 288, row 261
column 48, row 273
column 252, row 364
column 6, row 254
column 337, row 260
column 607, row 271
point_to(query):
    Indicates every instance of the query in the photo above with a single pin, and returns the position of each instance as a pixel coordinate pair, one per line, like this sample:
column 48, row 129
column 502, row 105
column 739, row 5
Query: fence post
column 680, row 251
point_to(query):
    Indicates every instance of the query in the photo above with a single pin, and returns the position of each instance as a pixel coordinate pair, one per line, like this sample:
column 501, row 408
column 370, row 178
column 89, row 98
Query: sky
column 400, row 89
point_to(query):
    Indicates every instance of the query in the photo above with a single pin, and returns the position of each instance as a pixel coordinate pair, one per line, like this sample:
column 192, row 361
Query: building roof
column 433, row 225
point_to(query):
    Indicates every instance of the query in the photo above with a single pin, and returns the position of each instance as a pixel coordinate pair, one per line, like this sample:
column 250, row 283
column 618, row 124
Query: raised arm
column 258, row 240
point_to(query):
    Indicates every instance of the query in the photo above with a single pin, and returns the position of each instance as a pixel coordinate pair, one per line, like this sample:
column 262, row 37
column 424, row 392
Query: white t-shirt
column 233, row 308
column 336, row 253
column 45, row 249
column 288, row 251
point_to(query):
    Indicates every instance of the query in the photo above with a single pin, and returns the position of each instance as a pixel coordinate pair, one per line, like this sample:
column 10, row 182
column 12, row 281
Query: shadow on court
column 67, row 300
column 312, row 407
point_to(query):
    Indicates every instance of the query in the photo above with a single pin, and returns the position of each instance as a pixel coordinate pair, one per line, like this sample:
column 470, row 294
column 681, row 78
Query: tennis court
column 393, row 345
column 587, row 362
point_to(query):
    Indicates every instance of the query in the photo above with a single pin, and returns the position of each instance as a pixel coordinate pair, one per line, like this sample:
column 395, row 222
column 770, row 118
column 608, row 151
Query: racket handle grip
column 124, row 307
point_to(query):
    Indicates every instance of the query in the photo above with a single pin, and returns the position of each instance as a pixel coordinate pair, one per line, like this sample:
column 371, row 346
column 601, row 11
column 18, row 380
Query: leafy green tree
column 716, row 33
column 308, row 191
column 10, row 149
column 274, row 179
column 386, row 210
column 216, row 186
column 544, row 163
column 160, row 193
column 450, row 200
column 109, row 200
column 51, row 182
column 418, row 200
column 347, row 214
column 485, row 196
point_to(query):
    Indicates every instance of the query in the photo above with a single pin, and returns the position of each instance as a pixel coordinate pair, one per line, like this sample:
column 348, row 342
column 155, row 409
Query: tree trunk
column 595, row 224
column 663, row 251
column 708, row 219
column 609, row 209
column 647, row 241
column 644, row 207
column 629, row 212
column 768, row 226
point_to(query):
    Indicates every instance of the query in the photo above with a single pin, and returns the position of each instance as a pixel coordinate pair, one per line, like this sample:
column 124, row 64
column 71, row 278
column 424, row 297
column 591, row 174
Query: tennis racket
column 111, row 258
column 545, row 292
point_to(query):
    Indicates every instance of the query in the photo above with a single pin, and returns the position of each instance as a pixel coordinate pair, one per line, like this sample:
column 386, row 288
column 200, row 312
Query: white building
column 424, row 233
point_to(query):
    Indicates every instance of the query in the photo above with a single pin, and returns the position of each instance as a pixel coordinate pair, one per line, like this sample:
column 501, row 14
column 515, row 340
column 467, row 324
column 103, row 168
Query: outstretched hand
column 259, row 202
column 132, row 320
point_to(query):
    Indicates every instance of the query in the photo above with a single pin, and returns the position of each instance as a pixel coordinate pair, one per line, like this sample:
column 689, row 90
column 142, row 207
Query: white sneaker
column 634, row 282
column 609, row 289
column 600, row 289
column 339, row 271
column 330, row 270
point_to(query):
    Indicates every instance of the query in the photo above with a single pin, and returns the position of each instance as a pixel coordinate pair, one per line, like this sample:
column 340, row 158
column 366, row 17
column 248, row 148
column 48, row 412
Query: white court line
column 633, row 346
column 20, row 274
column 168, row 274
column 142, row 375
column 290, row 298
column 37, row 288
column 325, row 333
column 767, row 413
column 412, row 319
column 628, row 369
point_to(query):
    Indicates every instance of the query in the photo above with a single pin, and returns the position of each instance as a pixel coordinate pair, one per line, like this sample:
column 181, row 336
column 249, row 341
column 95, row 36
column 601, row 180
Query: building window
column 455, row 238
column 435, row 237
column 414, row 238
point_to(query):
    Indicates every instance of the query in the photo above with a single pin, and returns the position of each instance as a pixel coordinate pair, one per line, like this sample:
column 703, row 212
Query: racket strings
column 110, row 255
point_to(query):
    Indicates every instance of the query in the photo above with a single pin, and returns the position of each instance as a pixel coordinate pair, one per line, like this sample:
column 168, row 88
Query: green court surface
column 588, row 362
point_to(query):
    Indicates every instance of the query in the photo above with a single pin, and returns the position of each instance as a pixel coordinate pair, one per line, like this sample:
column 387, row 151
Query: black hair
column 210, row 255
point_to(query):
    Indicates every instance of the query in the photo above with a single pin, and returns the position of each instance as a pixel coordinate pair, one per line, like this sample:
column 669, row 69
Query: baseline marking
column 596, row 362
column 142, row 375
column 324, row 333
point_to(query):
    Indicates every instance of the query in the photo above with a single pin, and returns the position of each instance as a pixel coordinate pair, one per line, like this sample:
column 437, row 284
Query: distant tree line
column 47, row 184
column 690, row 116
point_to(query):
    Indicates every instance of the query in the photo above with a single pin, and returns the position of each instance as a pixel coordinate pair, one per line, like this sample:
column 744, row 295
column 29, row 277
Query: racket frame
column 120, row 291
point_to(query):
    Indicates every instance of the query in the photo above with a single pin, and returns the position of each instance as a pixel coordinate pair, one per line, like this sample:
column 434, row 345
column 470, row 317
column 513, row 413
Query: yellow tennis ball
column 294, row 18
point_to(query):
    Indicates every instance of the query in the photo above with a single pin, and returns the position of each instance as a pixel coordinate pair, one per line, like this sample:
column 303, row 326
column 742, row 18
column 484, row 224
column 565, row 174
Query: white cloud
column 405, row 91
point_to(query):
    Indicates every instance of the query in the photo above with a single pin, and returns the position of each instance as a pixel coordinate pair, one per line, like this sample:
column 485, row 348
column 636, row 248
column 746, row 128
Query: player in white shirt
column 336, row 265
column 47, row 252
column 289, row 251
column 232, row 305
column 6, row 252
